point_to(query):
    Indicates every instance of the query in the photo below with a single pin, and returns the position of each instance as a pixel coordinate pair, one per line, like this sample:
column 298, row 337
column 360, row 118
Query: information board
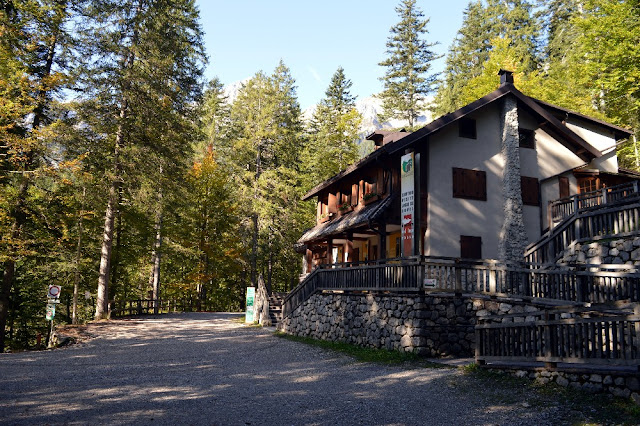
column 251, row 293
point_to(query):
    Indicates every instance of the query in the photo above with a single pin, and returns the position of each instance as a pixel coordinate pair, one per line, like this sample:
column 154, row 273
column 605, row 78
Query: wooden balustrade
column 585, row 283
column 590, row 337
column 121, row 308
column 594, row 225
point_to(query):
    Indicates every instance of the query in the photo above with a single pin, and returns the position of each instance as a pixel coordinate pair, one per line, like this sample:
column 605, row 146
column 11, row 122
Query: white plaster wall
column 450, row 217
column 599, row 137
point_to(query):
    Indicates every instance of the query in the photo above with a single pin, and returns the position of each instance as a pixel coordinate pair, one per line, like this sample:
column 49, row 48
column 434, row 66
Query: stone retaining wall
column 430, row 324
column 622, row 384
column 620, row 251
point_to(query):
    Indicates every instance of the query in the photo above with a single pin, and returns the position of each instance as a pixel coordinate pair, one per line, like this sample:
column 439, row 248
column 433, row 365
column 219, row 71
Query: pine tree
column 407, row 80
column 484, row 25
column 333, row 132
column 145, row 73
column 267, row 144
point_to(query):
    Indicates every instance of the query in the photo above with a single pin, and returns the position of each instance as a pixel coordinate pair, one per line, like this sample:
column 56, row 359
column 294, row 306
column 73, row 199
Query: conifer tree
column 407, row 79
column 333, row 132
column 145, row 71
column 483, row 24
column 267, row 145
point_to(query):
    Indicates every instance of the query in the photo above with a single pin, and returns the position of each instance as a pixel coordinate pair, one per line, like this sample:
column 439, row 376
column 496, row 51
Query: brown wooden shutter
column 480, row 185
column 564, row 186
column 470, row 247
column 470, row 184
column 530, row 191
column 457, row 183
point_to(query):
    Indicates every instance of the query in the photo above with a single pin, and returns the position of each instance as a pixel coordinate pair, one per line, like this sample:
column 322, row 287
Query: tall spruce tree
column 484, row 24
column 333, row 132
column 407, row 80
column 145, row 71
column 266, row 152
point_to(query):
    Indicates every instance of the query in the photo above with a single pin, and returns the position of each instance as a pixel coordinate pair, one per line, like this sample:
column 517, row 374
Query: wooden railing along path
column 586, row 283
column 607, row 213
column 121, row 308
column 578, row 335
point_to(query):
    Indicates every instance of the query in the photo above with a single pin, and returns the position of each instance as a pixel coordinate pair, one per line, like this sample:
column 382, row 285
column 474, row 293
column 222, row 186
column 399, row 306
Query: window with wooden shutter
column 564, row 186
column 471, row 184
column 470, row 247
column 467, row 128
column 530, row 191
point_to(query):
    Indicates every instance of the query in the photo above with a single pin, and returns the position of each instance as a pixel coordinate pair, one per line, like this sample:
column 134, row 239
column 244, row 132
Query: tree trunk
column 76, row 279
column 102, row 302
column 156, row 262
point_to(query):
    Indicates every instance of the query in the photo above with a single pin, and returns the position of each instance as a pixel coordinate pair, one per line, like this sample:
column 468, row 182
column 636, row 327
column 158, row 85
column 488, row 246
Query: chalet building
column 474, row 183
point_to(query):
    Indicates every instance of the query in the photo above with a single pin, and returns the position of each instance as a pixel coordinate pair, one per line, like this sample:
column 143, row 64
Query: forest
column 125, row 175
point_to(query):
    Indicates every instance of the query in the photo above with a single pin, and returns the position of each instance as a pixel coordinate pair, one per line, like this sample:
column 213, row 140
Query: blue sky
column 313, row 38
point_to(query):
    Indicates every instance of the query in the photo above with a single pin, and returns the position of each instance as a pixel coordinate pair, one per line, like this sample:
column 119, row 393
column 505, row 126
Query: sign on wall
column 407, row 208
column 251, row 293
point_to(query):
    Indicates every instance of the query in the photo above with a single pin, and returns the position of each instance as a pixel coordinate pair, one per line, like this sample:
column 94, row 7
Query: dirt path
column 208, row 369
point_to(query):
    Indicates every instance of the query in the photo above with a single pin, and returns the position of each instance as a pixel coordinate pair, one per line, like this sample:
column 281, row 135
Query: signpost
column 53, row 298
column 251, row 293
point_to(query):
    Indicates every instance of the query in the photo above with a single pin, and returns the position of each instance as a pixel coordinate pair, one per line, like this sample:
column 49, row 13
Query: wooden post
column 458, row 273
column 330, row 251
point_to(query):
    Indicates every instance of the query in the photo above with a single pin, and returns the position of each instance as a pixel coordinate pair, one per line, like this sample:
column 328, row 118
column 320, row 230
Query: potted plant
column 344, row 208
column 370, row 197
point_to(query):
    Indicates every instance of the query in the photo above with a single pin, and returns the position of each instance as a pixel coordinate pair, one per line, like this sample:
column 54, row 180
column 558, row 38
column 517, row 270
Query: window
column 530, row 191
column 467, row 128
column 470, row 247
column 564, row 186
column 527, row 138
column 471, row 184
column 588, row 184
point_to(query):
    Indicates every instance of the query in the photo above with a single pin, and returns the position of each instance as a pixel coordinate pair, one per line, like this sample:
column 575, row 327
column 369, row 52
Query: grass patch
column 361, row 354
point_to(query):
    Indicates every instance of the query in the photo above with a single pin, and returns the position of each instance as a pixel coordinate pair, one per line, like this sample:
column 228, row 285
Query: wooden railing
column 591, row 283
column 565, row 207
column 121, row 308
column 588, row 337
column 590, row 225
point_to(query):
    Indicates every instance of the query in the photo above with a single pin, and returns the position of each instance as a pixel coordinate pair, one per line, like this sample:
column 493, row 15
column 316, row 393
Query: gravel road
column 204, row 368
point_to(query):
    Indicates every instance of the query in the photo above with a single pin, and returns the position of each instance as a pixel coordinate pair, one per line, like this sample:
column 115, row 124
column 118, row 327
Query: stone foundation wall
column 619, row 251
column 430, row 324
column 622, row 384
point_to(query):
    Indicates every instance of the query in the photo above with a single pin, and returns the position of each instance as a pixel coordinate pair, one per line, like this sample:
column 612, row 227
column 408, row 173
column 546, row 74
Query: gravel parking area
column 204, row 368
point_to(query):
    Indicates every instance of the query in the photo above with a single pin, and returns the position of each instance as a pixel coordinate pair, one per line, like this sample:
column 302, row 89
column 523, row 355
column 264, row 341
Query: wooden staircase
column 275, row 307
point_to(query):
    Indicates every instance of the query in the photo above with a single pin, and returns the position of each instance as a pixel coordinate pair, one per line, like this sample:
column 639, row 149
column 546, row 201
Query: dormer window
column 467, row 128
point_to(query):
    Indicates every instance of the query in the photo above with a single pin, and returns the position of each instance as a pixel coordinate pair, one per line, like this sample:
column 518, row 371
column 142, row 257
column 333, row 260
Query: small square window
column 527, row 138
column 467, row 128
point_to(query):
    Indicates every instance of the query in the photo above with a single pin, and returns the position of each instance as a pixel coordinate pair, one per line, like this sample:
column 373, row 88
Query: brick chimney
column 506, row 77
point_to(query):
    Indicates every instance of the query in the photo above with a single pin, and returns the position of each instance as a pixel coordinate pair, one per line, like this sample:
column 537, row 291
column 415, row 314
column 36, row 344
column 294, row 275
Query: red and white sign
column 54, row 291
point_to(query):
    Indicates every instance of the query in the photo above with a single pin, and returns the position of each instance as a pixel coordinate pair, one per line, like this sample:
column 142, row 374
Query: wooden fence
column 587, row 337
column 565, row 207
column 588, row 283
column 121, row 308
column 591, row 225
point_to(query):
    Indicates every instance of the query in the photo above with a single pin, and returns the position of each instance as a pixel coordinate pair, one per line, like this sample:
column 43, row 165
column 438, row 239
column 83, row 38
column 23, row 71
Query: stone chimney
column 506, row 77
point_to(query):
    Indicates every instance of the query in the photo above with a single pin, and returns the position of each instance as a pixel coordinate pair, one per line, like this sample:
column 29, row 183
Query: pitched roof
column 549, row 123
